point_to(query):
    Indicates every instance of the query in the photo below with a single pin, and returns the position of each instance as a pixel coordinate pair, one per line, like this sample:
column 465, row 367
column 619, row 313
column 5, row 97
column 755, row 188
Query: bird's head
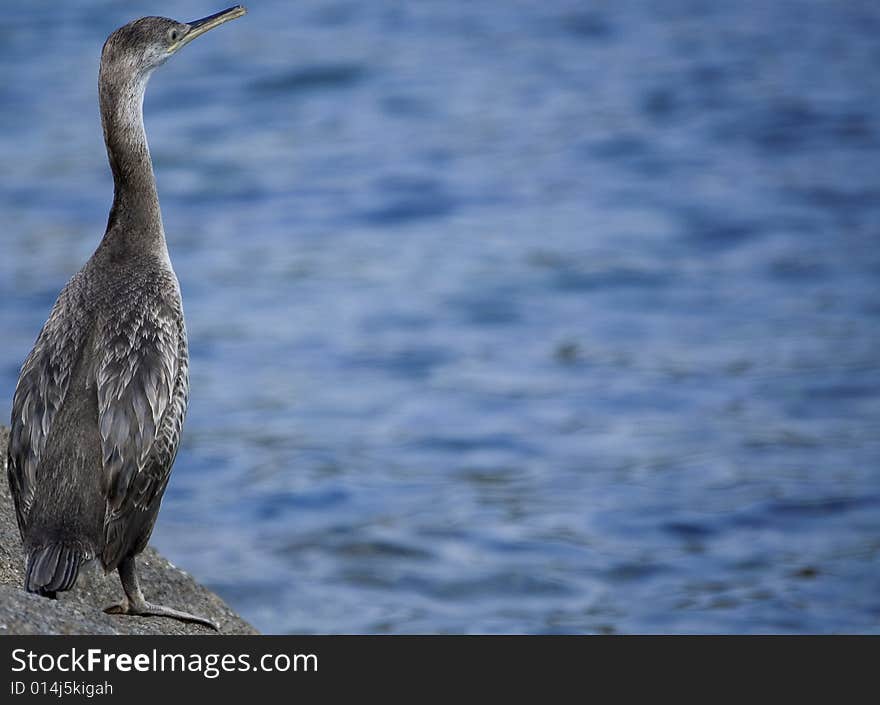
column 140, row 46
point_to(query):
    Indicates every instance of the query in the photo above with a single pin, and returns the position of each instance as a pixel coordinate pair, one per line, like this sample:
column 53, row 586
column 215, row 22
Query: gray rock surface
column 80, row 611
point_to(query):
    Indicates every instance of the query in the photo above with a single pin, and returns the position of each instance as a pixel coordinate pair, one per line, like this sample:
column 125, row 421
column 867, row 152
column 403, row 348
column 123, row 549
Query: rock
column 80, row 611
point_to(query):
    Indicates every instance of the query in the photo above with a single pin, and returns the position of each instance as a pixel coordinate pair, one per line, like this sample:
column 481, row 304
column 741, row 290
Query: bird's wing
column 141, row 383
column 42, row 386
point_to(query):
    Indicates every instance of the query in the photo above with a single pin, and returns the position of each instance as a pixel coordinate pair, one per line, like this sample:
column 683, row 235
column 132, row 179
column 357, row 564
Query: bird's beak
column 199, row 27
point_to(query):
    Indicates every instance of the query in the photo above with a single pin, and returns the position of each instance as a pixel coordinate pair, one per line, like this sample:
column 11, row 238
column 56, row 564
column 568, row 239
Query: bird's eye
column 173, row 34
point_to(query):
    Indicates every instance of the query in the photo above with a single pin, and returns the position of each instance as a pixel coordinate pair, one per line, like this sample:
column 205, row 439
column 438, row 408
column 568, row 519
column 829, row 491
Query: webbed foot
column 148, row 609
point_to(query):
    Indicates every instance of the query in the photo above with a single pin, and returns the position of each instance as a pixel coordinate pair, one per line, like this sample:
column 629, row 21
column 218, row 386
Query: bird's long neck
column 135, row 221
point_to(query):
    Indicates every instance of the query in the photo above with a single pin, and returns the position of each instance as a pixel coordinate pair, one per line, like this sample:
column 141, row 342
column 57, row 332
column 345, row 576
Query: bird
column 100, row 401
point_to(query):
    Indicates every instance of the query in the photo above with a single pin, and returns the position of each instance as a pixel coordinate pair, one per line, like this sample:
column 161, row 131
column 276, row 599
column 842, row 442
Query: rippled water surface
column 504, row 316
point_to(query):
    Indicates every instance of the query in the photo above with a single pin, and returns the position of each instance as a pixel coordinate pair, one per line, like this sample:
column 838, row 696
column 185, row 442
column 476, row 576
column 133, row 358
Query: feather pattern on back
column 142, row 398
column 128, row 330
column 42, row 386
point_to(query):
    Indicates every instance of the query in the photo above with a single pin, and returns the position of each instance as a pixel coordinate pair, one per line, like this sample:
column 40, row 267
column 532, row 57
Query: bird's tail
column 53, row 568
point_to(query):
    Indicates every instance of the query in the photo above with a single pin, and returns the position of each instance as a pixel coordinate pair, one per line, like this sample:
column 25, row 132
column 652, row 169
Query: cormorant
column 100, row 401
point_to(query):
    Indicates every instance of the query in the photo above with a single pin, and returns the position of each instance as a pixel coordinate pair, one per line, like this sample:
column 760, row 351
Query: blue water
column 505, row 316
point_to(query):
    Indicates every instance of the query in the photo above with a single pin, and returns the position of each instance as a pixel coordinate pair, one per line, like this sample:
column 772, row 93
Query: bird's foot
column 148, row 609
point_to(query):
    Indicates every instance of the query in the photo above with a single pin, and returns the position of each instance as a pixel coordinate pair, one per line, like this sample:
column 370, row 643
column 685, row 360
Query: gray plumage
column 100, row 401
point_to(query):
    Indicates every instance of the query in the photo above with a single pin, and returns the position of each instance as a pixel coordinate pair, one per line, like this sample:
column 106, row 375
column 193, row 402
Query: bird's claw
column 148, row 609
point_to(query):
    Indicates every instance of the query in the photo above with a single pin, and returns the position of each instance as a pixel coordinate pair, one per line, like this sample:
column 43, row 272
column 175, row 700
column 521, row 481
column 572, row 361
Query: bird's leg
column 135, row 604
